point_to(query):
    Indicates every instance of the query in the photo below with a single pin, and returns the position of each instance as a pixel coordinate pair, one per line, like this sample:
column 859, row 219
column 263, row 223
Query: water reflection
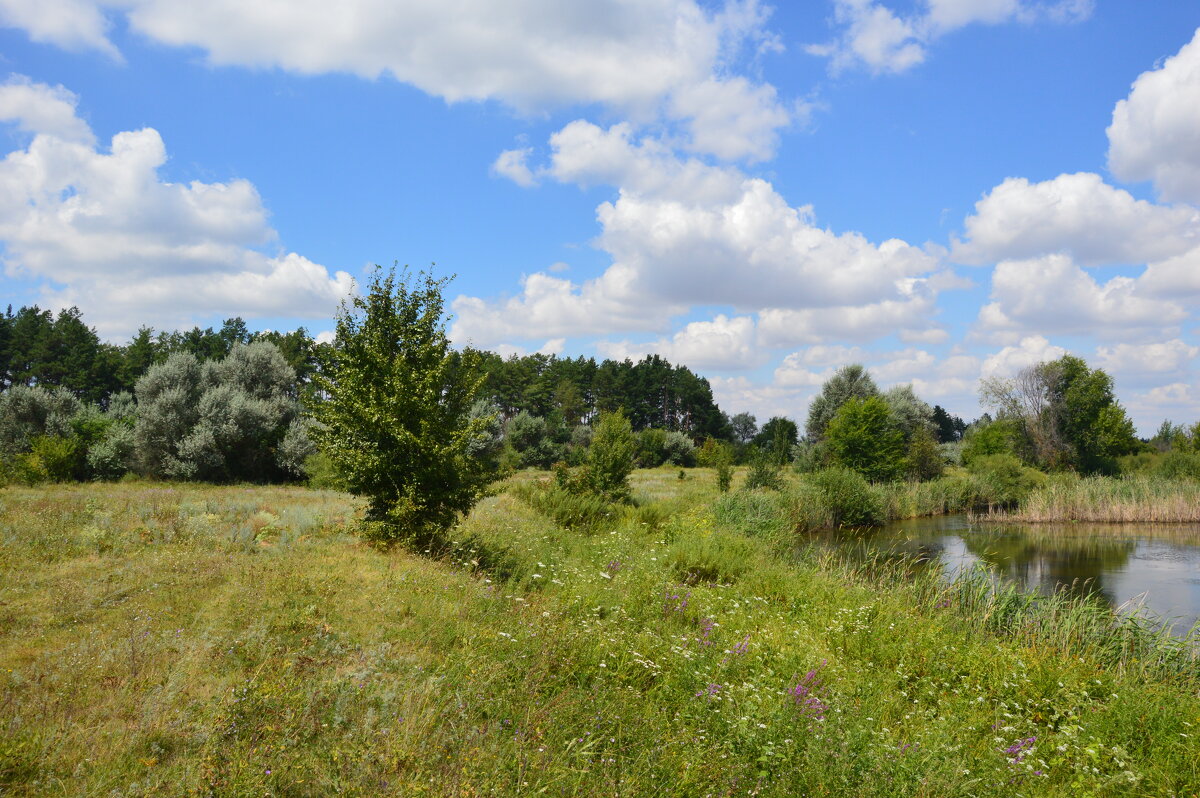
column 1106, row 562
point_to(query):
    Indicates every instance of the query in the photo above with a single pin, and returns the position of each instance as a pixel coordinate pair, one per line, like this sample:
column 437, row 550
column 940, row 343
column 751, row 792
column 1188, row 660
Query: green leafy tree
column 397, row 423
column 611, row 457
column 864, row 436
column 848, row 382
column 777, row 437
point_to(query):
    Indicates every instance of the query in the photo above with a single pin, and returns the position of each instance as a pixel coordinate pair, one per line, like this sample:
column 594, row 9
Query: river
column 1155, row 565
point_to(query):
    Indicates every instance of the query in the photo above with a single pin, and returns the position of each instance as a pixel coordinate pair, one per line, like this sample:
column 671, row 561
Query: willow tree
column 397, row 419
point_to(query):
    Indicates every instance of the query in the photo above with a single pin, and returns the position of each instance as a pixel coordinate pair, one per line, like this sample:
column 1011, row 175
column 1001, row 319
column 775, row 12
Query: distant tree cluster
column 38, row 348
column 233, row 419
column 569, row 391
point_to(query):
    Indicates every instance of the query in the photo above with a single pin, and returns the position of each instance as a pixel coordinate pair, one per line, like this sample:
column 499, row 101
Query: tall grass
column 1131, row 499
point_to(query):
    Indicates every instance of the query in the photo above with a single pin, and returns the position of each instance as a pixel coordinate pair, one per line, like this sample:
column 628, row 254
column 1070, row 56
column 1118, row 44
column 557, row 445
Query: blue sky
column 945, row 190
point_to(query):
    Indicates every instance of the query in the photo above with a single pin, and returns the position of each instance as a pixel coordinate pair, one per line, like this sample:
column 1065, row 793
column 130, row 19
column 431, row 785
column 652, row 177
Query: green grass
column 189, row 640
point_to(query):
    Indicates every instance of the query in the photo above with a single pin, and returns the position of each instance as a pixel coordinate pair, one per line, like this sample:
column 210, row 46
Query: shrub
column 652, row 448
column 924, row 457
column 764, row 472
column 610, row 458
column 532, row 445
column 1177, row 464
column 679, row 449
column 847, row 497
column 570, row 509
column 1004, row 480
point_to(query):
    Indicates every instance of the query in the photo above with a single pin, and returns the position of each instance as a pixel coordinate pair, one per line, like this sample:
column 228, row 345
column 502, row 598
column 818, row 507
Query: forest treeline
column 229, row 404
column 180, row 404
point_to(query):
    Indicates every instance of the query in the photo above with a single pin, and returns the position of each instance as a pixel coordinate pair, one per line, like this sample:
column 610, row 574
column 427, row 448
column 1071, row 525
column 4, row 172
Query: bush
column 847, row 497
column 529, row 437
column 924, row 457
column 764, row 472
column 112, row 455
column 652, row 448
column 610, row 458
column 679, row 449
column 1004, row 480
column 1177, row 464
column 573, row 510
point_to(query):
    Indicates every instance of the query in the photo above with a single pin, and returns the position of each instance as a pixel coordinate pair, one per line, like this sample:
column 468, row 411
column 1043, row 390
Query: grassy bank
column 1118, row 500
column 204, row 641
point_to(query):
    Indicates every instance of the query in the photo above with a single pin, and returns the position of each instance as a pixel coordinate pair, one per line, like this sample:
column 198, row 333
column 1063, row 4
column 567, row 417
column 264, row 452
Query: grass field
column 192, row 640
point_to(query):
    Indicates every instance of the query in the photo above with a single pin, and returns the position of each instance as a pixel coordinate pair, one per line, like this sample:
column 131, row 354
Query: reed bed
column 1116, row 500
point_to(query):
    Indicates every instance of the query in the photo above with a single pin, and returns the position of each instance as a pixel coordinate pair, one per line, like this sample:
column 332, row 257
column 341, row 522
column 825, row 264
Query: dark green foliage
column 1005, row 481
column 1064, row 414
column 777, row 437
column 924, row 460
column 652, row 392
column 849, row 382
column 611, row 458
column 863, row 436
column 397, row 423
column 982, row 440
column 744, row 426
column 532, row 445
column 948, row 428
column 847, row 497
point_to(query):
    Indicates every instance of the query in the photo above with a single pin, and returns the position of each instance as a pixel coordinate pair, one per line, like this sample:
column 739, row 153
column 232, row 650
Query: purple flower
column 806, row 694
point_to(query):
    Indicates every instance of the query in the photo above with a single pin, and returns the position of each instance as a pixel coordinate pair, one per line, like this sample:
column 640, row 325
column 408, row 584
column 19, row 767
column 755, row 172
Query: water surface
column 1157, row 565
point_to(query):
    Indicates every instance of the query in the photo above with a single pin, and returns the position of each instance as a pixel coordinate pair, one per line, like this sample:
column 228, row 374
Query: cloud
column 784, row 327
column 648, row 61
column 874, row 37
column 74, row 25
column 681, row 232
column 1155, row 131
column 555, row 307
column 1077, row 215
column 1030, row 351
column 38, row 108
column 1178, row 400
column 1052, row 294
column 1175, row 278
column 1134, row 360
column 723, row 344
column 878, row 39
column 513, row 165
column 130, row 248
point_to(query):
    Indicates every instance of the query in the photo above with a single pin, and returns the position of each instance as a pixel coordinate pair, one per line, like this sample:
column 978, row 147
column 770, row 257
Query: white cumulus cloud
column 1155, row 131
column 722, row 344
column 1052, row 294
column 1078, row 215
column 649, row 60
column 103, row 231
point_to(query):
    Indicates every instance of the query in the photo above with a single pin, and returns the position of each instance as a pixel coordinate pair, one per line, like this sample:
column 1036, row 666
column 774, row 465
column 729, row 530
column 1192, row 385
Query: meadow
column 161, row 639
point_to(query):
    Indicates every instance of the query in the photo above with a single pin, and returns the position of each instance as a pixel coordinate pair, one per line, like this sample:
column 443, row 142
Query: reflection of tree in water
column 1047, row 558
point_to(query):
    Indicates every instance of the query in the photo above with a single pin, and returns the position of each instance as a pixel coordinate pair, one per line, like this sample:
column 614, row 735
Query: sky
column 943, row 190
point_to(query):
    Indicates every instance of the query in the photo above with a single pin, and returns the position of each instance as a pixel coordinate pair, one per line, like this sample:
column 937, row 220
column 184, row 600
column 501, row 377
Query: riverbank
column 197, row 640
column 1115, row 500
